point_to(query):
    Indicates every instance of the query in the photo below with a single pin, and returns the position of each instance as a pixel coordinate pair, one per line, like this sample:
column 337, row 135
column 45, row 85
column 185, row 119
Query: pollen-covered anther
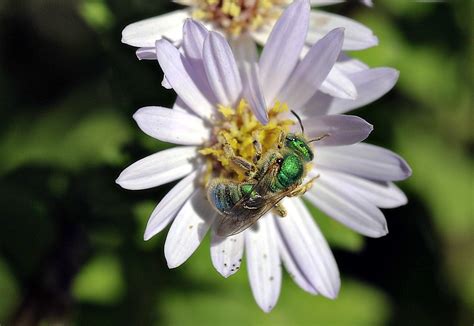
column 235, row 132
column 238, row 16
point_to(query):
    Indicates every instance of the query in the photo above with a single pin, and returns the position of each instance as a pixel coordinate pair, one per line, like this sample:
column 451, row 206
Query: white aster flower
column 255, row 18
column 218, row 95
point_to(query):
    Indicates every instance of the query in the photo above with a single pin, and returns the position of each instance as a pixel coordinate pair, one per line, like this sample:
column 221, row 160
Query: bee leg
column 281, row 139
column 241, row 163
column 280, row 210
column 301, row 190
column 258, row 148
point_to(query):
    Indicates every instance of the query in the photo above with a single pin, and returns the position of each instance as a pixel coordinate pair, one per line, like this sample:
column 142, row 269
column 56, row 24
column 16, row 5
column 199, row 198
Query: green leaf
column 100, row 281
column 10, row 294
column 69, row 137
column 96, row 14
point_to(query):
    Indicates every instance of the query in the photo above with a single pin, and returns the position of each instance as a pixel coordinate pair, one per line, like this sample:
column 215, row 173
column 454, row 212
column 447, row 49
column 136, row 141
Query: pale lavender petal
column 147, row 53
column 261, row 35
column 350, row 65
column 371, row 85
column 346, row 206
column 172, row 126
column 226, row 253
column 337, row 130
column 317, row 105
column 364, row 160
column 169, row 206
column 368, row 3
column 185, row 2
column 179, row 77
column 188, row 229
column 293, row 269
column 312, row 70
column 246, row 55
column 263, row 262
column 308, row 248
column 324, row 2
column 382, row 194
column 221, row 69
column 165, row 83
column 146, row 32
column 194, row 34
column 357, row 36
column 339, row 85
column 282, row 51
column 179, row 105
column 159, row 168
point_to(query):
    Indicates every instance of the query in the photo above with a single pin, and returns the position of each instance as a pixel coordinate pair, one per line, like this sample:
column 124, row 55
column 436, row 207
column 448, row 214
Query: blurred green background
column 71, row 240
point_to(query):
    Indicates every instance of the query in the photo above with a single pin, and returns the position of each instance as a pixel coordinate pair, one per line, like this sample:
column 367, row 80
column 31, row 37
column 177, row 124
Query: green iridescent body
column 278, row 174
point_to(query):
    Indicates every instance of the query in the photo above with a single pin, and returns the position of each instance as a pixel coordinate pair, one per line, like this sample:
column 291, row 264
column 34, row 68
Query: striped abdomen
column 223, row 195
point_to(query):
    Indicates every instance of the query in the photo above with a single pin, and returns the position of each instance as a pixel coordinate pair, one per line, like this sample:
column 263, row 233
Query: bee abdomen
column 224, row 195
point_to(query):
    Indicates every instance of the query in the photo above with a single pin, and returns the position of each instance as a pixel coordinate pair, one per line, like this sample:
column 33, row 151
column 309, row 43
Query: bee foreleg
column 238, row 161
column 242, row 164
column 281, row 139
column 280, row 210
column 257, row 146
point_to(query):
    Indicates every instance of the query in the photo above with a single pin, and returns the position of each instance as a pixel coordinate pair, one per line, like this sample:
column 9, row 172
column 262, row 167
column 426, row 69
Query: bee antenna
column 299, row 121
column 319, row 138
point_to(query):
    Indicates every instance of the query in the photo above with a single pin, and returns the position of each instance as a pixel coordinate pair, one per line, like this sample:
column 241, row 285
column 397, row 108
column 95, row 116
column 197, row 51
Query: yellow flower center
column 237, row 129
column 238, row 16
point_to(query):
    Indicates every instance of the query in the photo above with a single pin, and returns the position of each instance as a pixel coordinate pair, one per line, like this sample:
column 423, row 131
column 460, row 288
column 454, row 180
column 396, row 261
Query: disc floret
column 238, row 16
column 239, row 129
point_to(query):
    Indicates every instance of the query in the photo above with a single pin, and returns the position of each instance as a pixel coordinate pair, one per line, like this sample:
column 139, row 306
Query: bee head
column 299, row 146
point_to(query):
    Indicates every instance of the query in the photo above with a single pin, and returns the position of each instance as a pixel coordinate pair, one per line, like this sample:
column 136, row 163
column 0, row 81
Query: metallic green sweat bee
column 277, row 175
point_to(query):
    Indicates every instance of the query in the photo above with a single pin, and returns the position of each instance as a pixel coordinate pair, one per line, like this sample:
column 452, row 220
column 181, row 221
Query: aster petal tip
column 171, row 126
column 146, row 237
column 346, row 205
column 375, row 40
column 406, row 169
column 171, row 264
column 262, row 116
column 119, row 180
column 188, row 229
column 338, row 130
column 226, row 253
column 145, row 32
column 191, row 23
column 313, row 69
column 371, row 84
column 159, row 168
column 381, row 231
column 146, row 53
column 288, row 36
column 366, row 161
column 333, row 292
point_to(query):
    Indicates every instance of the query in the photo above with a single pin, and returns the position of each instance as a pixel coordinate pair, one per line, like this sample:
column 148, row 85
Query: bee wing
column 249, row 209
column 242, row 216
